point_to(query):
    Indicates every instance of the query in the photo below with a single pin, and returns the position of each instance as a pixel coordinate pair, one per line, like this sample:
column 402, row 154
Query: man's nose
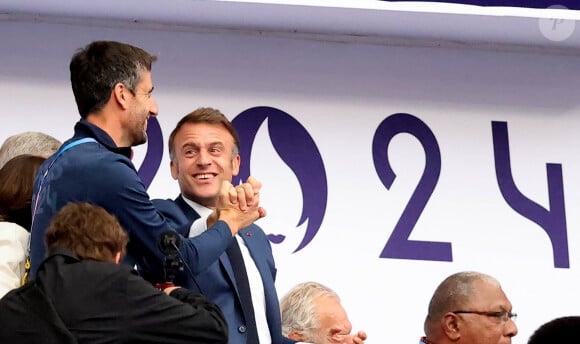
column 203, row 158
column 511, row 328
column 153, row 110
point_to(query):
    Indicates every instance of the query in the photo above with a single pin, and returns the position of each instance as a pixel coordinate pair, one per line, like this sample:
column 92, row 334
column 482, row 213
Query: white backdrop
column 340, row 93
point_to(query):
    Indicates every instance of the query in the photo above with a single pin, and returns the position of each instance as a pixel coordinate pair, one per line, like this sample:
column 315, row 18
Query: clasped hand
column 239, row 206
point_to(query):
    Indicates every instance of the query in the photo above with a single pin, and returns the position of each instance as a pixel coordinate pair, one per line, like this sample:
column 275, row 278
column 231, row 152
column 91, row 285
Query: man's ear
column 450, row 324
column 118, row 258
column 295, row 336
column 174, row 169
column 120, row 95
column 236, row 165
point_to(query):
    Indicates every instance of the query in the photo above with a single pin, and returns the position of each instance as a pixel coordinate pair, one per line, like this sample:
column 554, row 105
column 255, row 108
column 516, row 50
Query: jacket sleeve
column 183, row 317
column 125, row 197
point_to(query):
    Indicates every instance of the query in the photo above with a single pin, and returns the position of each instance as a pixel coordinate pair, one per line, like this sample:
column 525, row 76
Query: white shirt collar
column 203, row 211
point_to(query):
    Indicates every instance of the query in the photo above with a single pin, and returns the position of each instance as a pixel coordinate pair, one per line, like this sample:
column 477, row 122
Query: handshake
column 238, row 206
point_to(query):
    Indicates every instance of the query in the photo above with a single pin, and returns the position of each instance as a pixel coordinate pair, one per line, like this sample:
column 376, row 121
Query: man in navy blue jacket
column 204, row 153
column 112, row 85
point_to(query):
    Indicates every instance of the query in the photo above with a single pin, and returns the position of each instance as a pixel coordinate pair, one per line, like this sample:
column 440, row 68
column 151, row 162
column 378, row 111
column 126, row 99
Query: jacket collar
column 83, row 128
column 64, row 252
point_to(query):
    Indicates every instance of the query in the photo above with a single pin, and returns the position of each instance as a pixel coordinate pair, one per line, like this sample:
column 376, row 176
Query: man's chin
column 139, row 141
column 205, row 199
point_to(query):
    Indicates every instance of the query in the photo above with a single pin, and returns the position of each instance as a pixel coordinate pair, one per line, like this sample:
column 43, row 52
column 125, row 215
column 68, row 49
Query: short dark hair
column 560, row 330
column 205, row 115
column 87, row 230
column 99, row 66
column 16, row 184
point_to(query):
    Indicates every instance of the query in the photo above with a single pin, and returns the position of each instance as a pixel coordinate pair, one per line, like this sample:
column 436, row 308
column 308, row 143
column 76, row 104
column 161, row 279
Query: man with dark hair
column 95, row 300
column 113, row 88
column 105, row 65
column 204, row 154
column 561, row 330
column 469, row 308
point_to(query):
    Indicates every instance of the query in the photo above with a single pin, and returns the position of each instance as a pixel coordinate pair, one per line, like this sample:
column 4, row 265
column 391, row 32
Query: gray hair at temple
column 299, row 311
column 30, row 142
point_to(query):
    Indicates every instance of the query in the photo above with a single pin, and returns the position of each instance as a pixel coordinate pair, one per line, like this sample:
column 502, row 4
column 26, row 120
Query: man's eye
column 339, row 337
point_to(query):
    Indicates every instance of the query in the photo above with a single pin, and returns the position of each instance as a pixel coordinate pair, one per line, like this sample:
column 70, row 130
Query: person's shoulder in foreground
column 562, row 330
column 97, row 300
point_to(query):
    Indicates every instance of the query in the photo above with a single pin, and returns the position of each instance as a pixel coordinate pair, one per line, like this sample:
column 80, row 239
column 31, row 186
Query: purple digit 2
column 399, row 246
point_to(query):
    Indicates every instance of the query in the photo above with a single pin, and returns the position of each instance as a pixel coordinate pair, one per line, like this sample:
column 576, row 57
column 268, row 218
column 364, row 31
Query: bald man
column 469, row 308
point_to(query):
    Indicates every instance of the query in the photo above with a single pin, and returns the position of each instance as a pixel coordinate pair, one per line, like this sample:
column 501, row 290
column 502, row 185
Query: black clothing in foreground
column 102, row 302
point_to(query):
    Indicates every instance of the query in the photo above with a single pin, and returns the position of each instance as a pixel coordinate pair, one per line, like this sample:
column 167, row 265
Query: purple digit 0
column 552, row 221
column 399, row 246
column 154, row 153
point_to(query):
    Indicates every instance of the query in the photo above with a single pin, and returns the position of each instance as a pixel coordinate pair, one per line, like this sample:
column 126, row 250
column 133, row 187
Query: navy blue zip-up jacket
column 102, row 174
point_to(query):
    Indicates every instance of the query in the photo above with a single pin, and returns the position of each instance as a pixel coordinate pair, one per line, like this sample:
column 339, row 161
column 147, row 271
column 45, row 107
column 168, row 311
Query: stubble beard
column 140, row 135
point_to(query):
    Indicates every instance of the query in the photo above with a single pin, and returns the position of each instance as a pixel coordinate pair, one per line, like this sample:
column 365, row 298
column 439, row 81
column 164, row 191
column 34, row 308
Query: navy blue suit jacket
column 217, row 282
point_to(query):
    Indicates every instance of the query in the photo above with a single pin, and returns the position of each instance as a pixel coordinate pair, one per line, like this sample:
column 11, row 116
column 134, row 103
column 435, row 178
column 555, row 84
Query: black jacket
column 86, row 301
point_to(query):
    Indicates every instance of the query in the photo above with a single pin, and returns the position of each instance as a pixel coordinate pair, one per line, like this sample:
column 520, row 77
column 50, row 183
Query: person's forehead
column 331, row 308
column 490, row 296
column 207, row 132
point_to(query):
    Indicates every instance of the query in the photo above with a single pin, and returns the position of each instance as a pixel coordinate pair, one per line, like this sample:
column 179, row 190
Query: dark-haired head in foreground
column 562, row 330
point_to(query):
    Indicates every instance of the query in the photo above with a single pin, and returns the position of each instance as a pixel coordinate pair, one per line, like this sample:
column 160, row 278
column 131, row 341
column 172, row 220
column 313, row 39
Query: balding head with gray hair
column 30, row 142
column 455, row 292
column 469, row 307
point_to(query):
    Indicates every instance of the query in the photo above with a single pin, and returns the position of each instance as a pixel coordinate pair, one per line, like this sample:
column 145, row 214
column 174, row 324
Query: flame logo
column 298, row 150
